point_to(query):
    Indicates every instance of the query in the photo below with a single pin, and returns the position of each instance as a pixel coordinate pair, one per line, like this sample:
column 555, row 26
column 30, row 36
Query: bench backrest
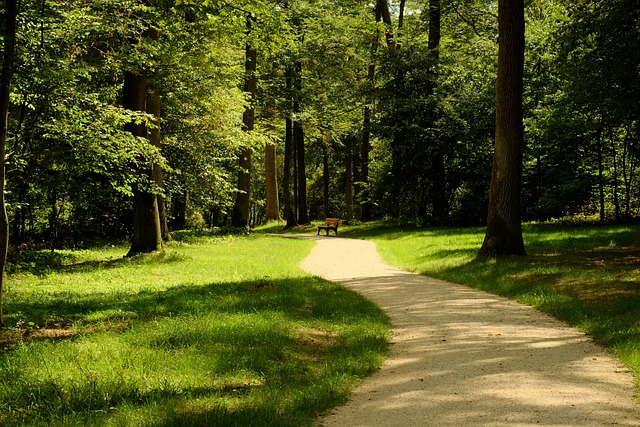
column 332, row 221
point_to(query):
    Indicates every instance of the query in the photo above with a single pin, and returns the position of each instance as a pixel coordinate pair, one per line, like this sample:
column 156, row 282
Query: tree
column 147, row 235
column 6, row 73
column 504, row 229
column 241, row 209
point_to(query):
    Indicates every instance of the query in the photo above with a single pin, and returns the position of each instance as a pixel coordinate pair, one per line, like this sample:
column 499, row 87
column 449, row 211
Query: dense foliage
column 406, row 126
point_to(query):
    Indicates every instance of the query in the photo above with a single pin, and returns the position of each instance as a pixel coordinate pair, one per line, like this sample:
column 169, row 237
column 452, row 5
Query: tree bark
column 241, row 209
column 271, row 183
column 153, row 108
column 504, row 229
column 382, row 11
column 271, row 169
column 364, row 159
column 6, row 74
column 298, row 141
column 600, row 171
column 348, row 178
column 147, row 236
column 179, row 202
column 440, row 203
column 325, row 182
column 289, row 214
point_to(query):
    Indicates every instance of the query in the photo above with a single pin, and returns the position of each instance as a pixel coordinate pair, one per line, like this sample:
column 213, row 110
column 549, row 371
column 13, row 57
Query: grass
column 587, row 276
column 212, row 332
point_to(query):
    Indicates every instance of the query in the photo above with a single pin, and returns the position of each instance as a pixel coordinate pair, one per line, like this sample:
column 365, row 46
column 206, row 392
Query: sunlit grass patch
column 217, row 331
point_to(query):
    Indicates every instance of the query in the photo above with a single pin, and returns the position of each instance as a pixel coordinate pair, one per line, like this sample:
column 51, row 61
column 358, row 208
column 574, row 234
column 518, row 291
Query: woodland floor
column 462, row 357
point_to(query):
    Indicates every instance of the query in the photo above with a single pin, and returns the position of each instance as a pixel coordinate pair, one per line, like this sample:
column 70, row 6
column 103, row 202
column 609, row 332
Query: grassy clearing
column 213, row 332
column 587, row 276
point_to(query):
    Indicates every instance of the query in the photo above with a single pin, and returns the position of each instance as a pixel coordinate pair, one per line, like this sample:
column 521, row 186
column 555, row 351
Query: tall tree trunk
column 600, row 170
column 179, row 203
column 504, row 228
column 271, row 183
column 382, row 12
column 616, row 198
column 325, row 182
column 298, row 141
column 153, row 108
column 363, row 190
column 6, row 73
column 241, row 209
column 365, row 203
column 147, row 236
column 271, row 170
column 348, row 178
column 289, row 213
column 440, row 199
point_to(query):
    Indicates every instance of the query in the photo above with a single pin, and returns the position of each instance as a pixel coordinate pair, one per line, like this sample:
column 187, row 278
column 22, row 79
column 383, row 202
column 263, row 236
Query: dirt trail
column 461, row 357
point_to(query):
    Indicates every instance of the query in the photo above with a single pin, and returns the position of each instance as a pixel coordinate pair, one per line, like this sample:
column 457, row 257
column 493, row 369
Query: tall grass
column 585, row 275
column 213, row 332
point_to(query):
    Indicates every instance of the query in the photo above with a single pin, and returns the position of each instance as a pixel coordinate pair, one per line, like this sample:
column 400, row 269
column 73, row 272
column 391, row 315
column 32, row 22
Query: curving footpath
column 462, row 357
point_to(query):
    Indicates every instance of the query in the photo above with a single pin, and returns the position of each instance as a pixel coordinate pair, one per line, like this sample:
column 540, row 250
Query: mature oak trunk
column 241, row 209
column 10, row 14
column 504, row 228
column 147, row 236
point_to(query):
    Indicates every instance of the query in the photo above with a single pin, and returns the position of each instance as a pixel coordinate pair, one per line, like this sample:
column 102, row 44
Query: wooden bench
column 330, row 224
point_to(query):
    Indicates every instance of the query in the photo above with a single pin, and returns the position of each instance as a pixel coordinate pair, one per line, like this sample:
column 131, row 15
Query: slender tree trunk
column 325, row 182
column 365, row 203
column 348, row 174
column 504, row 228
column 298, row 140
column 179, row 202
column 627, row 173
column 241, row 209
column 289, row 213
column 616, row 198
column 363, row 191
column 147, row 236
column 153, row 108
column 294, row 159
column 271, row 183
column 382, row 11
column 6, row 73
column 440, row 201
column 600, row 171
column 271, row 170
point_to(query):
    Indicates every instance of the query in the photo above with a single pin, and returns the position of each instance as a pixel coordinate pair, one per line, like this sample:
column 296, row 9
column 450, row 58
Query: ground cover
column 586, row 275
column 214, row 331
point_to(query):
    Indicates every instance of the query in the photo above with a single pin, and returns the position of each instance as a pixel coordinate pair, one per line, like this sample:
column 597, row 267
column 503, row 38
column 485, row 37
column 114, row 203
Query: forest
column 211, row 113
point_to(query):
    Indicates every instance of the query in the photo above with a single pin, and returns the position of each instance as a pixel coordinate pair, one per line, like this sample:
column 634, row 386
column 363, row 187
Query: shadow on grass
column 593, row 288
column 301, row 297
column 299, row 343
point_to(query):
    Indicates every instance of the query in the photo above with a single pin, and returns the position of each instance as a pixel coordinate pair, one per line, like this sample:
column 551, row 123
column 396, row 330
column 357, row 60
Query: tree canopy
column 383, row 118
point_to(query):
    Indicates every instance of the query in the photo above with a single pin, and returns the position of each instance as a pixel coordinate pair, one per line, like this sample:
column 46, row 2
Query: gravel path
column 461, row 357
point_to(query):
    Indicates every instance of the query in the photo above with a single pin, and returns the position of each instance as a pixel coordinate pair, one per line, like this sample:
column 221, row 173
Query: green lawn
column 587, row 275
column 213, row 332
